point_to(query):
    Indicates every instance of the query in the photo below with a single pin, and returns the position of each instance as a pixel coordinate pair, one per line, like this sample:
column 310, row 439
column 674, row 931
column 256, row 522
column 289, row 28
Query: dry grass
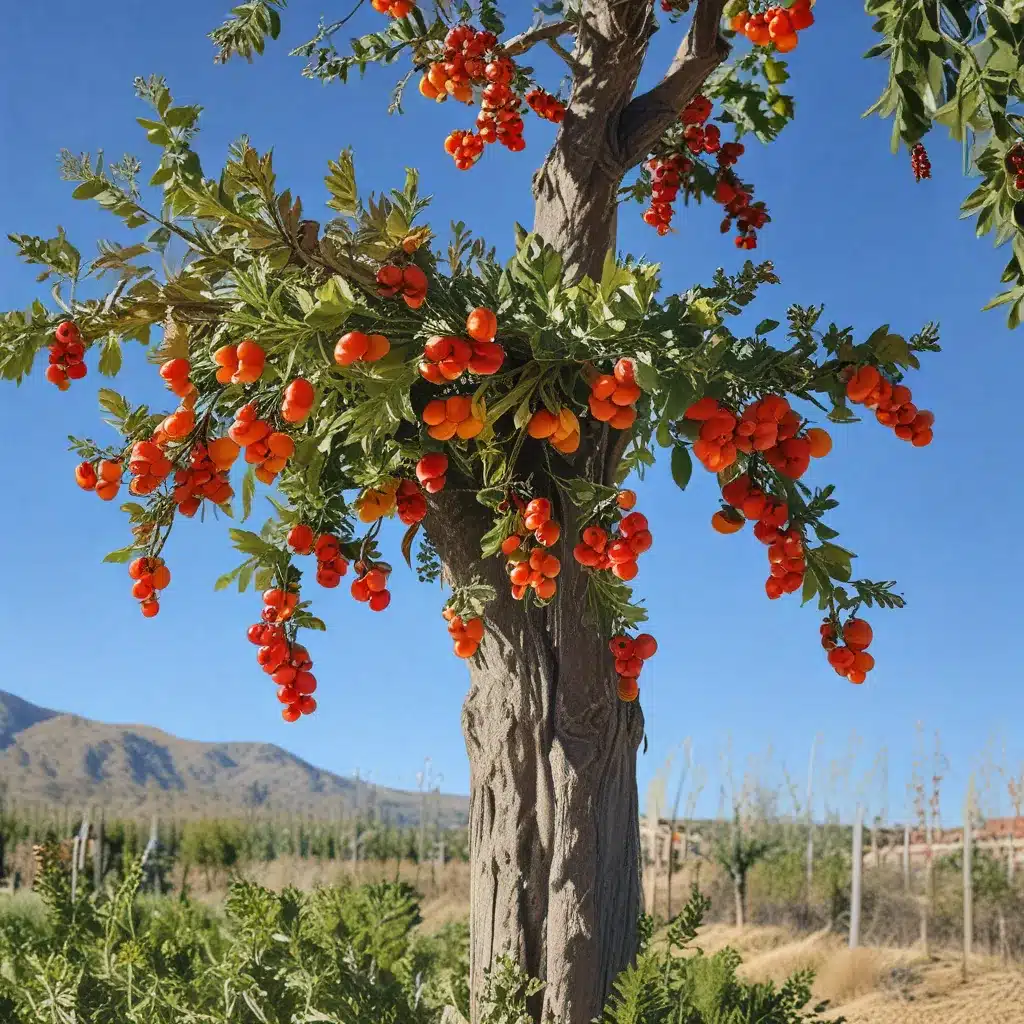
column 879, row 985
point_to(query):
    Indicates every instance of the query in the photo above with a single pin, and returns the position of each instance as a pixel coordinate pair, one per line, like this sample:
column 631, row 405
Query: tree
column 497, row 410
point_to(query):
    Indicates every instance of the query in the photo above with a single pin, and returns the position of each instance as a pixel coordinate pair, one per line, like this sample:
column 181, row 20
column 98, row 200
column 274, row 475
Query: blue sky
column 850, row 229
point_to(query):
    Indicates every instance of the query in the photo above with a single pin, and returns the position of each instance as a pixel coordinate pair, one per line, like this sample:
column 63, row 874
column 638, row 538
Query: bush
column 339, row 955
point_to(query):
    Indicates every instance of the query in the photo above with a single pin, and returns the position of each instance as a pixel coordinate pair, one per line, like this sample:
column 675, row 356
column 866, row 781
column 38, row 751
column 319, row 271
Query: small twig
column 566, row 56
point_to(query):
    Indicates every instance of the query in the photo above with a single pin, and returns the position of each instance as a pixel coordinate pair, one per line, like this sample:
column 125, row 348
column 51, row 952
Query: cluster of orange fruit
column 67, row 356
column 466, row 633
column 613, row 396
column 371, row 586
column 394, row 8
column 356, row 347
column 534, row 568
column 769, row 426
column 176, row 375
column 447, row 357
column 265, row 448
column 769, row 515
column 207, row 475
column 104, row 478
column 630, row 655
column 450, row 417
column 240, row 364
column 410, row 282
column 778, row 25
column 616, row 552
column 288, row 665
column 150, row 576
column 463, row 65
column 544, row 105
column 850, row 658
column 892, row 404
column 561, row 431
column 331, row 564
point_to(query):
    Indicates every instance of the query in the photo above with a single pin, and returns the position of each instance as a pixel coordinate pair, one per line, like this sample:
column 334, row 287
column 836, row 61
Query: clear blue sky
column 850, row 229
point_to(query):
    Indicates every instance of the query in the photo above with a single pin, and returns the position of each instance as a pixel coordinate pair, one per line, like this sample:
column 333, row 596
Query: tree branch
column 519, row 44
column 649, row 115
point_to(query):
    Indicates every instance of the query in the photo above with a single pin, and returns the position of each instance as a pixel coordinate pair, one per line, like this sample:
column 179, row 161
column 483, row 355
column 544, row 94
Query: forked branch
column 650, row 114
column 519, row 44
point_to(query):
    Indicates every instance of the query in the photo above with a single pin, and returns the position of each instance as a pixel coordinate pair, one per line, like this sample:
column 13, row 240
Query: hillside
column 54, row 758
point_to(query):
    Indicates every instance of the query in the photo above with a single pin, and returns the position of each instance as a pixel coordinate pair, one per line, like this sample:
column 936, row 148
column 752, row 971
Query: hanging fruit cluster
column 892, row 404
column 616, row 549
column 150, row 576
column 240, row 364
column 850, row 658
column 410, row 282
column 448, row 357
column 630, row 656
column 356, row 347
column 920, row 164
column 67, row 356
column 561, row 430
column 394, row 8
column 286, row 662
column 371, row 585
column 613, row 396
column 672, row 171
column 532, row 566
column 450, row 417
column 776, row 26
column 466, row 633
column 544, row 105
column 331, row 564
column 104, row 478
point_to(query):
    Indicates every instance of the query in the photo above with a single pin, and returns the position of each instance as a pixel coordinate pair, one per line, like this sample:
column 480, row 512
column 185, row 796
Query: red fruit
column 645, row 646
column 291, row 713
column 380, row 600
column 301, row 539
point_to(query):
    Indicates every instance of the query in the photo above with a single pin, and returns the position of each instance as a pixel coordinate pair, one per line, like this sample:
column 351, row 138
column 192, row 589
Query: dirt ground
column 880, row 986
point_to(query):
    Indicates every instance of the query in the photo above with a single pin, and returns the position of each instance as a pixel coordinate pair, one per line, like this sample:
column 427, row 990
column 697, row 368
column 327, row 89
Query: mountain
column 54, row 758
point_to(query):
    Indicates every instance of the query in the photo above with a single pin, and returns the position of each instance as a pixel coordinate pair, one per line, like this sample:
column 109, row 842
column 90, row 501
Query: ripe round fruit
column 300, row 539
column 380, row 600
column 821, row 442
column 857, row 634
column 482, row 325
column 645, row 646
column 626, row 500
column 726, row 524
column 628, row 689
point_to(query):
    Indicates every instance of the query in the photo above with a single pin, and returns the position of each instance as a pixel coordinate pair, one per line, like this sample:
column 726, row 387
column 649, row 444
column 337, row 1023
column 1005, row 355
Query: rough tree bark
column 554, row 813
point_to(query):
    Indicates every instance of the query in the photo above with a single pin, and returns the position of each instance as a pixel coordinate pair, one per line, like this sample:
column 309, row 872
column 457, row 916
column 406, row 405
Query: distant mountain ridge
column 55, row 758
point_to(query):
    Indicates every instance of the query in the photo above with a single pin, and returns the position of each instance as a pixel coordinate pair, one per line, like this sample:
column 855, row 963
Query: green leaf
column 647, row 376
column 766, row 326
column 682, row 466
column 248, row 491
column 225, row 581
column 341, row 183
column 891, row 348
column 810, row 587
column 680, row 397
column 121, row 555
column 110, row 356
column 89, row 189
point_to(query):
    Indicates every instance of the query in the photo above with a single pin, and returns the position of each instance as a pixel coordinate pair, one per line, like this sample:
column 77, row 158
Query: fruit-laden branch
column 649, row 115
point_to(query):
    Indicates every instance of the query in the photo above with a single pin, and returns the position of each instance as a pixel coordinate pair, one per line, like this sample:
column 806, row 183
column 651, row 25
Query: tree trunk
column 554, row 811
column 740, row 894
column 554, row 814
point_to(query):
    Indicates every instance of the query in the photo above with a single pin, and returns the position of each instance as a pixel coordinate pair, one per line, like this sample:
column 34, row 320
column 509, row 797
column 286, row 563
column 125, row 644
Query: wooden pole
column 858, row 869
column 968, row 879
column 906, row 858
column 810, row 820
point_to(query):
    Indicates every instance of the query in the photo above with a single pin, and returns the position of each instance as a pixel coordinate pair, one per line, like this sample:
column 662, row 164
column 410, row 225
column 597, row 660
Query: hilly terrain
column 47, row 757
